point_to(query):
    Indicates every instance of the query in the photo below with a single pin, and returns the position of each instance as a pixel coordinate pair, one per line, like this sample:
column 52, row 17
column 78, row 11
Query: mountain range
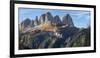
column 48, row 31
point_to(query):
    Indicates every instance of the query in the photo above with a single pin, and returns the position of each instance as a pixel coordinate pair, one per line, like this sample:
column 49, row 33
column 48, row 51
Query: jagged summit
column 57, row 20
column 48, row 18
column 36, row 21
column 67, row 20
column 42, row 18
column 48, row 13
column 26, row 22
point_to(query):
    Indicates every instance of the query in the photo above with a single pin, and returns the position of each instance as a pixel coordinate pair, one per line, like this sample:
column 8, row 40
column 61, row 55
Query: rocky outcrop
column 57, row 20
column 36, row 22
column 42, row 18
column 67, row 20
column 48, row 17
column 26, row 23
column 32, row 24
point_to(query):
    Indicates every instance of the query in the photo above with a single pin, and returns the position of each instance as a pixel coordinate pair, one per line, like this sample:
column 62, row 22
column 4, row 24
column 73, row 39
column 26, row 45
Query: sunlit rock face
column 50, row 19
column 46, row 18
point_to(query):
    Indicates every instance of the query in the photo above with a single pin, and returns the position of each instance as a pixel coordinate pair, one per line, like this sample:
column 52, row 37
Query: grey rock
column 36, row 22
column 26, row 23
column 57, row 20
column 67, row 20
column 42, row 18
column 48, row 17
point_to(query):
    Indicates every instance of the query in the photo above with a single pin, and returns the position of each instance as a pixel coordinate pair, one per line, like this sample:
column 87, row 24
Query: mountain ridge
column 48, row 31
column 47, row 18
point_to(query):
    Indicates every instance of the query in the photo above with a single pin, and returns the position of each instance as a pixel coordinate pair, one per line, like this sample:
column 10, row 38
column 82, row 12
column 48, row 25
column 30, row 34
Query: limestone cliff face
column 67, row 20
column 47, row 19
column 26, row 23
column 36, row 21
column 57, row 20
column 42, row 18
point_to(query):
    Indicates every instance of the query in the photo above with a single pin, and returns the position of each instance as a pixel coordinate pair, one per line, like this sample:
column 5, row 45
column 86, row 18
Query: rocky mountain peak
column 26, row 22
column 67, row 20
column 57, row 20
column 48, row 13
column 42, row 18
column 36, row 22
column 48, row 17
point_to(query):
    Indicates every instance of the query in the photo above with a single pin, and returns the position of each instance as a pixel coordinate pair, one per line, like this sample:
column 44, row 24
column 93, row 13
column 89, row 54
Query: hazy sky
column 80, row 18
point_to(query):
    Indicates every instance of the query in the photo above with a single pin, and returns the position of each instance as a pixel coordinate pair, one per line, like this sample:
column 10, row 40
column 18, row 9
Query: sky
column 80, row 18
